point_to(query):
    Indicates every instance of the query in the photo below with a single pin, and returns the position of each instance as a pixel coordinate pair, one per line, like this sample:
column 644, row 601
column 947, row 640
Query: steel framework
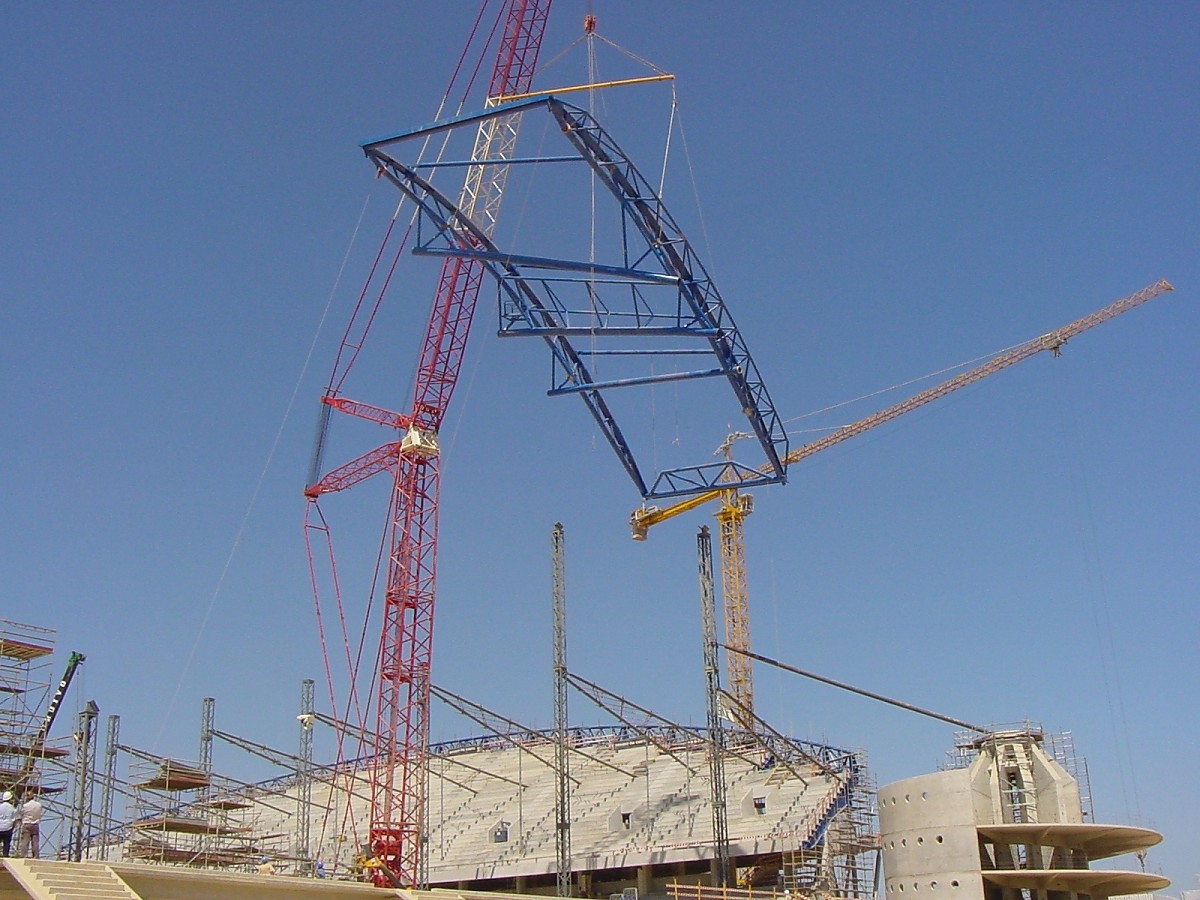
column 659, row 289
column 562, row 806
column 716, row 735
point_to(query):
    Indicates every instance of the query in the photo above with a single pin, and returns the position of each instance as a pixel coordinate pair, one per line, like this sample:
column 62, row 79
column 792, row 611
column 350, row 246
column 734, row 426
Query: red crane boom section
column 405, row 651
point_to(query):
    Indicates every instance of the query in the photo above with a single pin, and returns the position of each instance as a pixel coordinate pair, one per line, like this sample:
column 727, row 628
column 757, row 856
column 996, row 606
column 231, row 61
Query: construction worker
column 8, row 819
column 367, row 866
column 265, row 866
column 31, row 822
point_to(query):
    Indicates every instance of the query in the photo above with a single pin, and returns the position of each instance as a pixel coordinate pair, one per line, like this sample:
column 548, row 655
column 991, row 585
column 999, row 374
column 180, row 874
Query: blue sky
column 883, row 191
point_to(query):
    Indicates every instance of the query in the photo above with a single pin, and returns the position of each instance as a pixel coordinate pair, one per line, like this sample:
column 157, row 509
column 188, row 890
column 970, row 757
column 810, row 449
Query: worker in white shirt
column 31, row 820
column 8, row 819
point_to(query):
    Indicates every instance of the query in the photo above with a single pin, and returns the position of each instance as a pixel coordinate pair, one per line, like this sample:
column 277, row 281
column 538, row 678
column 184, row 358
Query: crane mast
column 398, row 777
column 734, row 507
column 731, row 516
column 402, row 727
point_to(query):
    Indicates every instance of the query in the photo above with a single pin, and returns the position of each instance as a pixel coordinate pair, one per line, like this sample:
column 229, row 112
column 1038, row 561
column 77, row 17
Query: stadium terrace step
column 52, row 880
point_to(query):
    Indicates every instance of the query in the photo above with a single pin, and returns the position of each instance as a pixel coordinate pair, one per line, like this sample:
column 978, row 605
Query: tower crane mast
column 398, row 777
column 734, row 506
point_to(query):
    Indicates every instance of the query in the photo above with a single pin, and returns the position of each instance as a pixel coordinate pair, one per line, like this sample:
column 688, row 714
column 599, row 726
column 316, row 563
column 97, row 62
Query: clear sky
column 883, row 191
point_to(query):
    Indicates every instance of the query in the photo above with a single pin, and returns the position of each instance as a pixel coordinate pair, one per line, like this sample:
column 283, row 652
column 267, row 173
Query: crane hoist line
column 733, row 507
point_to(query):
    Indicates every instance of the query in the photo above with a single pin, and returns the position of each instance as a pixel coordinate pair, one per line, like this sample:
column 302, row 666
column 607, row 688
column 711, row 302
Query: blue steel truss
column 658, row 289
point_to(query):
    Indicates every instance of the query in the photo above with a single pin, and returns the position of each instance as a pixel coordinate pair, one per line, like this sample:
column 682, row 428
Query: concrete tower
column 1009, row 826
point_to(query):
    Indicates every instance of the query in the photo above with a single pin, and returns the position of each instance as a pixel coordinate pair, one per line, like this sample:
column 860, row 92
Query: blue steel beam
column 458, row 229
column 634, row 382
column 530, row 307
column 626, row 275
column 616, row 331
column 525, row 160
column 648, row 214
column 643, row 352
column 450, row 124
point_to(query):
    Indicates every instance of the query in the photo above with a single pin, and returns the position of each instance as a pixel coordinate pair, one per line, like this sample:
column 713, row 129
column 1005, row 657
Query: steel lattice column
column 85, row 756
column 716, row 736
column 561, row 759
column 304, row 780
column 112, row 743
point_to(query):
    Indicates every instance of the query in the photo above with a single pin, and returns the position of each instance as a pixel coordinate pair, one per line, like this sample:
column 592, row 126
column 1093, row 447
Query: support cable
column 237, row 540
column 888, row 390
column 489, row 719
column 601, row 696
column 856, row 690
column 369, row 738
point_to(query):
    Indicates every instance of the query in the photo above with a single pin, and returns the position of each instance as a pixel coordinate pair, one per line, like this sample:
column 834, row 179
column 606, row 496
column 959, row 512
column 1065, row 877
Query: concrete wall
column 930, row 845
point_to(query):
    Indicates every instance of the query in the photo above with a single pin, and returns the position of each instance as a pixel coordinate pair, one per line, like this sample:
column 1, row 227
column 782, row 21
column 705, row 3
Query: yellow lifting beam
column 585, row 87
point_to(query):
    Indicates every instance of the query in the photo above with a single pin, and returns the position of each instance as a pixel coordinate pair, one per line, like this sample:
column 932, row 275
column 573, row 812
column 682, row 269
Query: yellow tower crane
column 733, row 506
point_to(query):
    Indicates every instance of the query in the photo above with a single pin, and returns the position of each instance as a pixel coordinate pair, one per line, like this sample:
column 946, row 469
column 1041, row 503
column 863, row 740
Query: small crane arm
column 43, row 731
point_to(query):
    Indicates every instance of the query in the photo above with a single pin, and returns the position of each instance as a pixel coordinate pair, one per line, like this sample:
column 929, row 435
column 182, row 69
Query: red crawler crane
column 405, row 651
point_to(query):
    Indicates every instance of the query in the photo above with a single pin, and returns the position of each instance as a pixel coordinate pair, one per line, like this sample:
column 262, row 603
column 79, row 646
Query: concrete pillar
column 645, row 880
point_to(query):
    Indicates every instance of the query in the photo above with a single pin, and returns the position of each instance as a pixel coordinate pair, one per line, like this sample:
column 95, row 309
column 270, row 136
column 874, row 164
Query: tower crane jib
column 733, row 507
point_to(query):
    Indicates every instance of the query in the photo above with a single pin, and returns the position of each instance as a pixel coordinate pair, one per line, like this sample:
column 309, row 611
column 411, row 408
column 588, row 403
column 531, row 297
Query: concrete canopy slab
column 1097, row 840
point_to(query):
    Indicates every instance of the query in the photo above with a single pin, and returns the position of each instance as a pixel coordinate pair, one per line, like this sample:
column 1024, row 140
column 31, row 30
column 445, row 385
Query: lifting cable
column 353, row 343
column 237, row 539
column 323, row 526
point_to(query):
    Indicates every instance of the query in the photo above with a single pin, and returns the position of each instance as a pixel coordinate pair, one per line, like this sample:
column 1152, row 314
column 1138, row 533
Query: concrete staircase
column 47, row 880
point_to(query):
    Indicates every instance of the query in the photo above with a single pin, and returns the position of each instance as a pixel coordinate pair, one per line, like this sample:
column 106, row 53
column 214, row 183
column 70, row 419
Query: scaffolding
column 26, row 654
column 183, row 816
column 1059, row 746
column 843, row 859
column 182, row 813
